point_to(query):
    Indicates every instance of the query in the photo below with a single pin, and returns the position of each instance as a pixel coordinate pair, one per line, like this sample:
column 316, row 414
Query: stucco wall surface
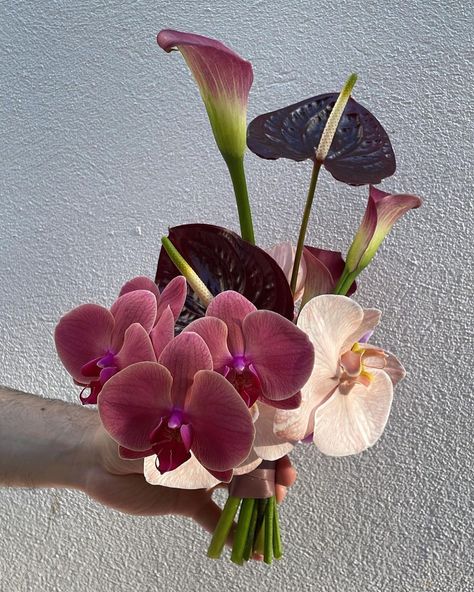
column 105, row 143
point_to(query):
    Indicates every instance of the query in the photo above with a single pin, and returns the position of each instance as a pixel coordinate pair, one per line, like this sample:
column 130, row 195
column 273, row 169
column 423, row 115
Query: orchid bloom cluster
column 194, row 402
column 235, row 354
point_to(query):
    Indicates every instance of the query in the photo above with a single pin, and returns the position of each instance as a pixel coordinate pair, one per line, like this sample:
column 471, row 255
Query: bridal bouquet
column 233, row 354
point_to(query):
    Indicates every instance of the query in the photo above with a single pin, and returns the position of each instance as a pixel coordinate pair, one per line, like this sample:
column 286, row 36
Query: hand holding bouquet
column 233, row 355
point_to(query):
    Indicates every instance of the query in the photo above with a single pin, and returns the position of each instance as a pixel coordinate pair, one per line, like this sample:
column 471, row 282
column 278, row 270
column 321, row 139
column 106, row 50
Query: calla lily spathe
column 224, row 80
column 347, row 400
column 383, row 210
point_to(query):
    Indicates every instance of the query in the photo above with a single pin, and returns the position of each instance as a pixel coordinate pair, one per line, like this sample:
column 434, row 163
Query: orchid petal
column 329, row 321
column 284, row 255
column 281, row 354
column 133, row 401
column 163, row 332
column 214, row 332
column 267, row 444
column 370, row 319
column 184, row 356
column 392, row 366
column 141, row 283
column 292, row 402
column 137, row 347
column 222, row 426
column 295, row 424
column 249, row 464
column 82, row 335
column 348, row 424
column 173, row 296
column 138, row 306
column 224, row 81
column 232, row 308
column 189, row 475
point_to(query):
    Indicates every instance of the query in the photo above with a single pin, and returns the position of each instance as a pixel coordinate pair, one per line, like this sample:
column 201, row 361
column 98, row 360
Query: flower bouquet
column 234, row 354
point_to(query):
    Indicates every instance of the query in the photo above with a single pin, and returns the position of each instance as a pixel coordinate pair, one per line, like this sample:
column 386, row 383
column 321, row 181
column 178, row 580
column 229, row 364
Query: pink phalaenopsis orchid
column 263, row 355
column 347, row 400
column 224, row 81
column 94, row 343
column 179, row 410
column 169, row 304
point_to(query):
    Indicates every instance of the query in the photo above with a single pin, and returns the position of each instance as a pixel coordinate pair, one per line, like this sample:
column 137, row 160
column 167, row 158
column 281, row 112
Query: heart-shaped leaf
column 360, row 153
column 224, row 261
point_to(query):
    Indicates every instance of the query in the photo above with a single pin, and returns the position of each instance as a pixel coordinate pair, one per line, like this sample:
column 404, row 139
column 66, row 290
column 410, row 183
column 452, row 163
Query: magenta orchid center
column 100, row 370
column 243, row 377
column 171, row 441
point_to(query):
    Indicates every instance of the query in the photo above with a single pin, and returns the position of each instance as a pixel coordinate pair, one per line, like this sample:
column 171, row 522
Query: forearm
column 43, row 442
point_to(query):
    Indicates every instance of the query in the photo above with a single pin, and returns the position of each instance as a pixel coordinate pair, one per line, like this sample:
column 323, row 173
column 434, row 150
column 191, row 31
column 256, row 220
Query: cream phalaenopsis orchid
column 347, row 399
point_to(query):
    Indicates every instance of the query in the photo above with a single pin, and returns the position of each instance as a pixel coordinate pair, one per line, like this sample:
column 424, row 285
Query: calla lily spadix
column 178, row 407
column 347, row 399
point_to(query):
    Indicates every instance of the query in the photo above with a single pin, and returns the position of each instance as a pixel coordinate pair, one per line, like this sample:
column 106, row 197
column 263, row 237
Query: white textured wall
column 104, row 144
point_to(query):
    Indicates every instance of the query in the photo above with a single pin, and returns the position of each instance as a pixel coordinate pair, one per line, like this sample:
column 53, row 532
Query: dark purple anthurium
column 360, row 152
column 263, row 355
column 177, row 407
column 94, row 343
column 224, row 261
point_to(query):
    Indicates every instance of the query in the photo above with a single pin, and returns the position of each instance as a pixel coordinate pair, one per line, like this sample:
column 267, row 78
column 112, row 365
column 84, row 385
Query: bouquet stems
column 258, row 530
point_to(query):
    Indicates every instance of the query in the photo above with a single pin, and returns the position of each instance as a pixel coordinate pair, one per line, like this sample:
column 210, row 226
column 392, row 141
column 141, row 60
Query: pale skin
column 51, row 443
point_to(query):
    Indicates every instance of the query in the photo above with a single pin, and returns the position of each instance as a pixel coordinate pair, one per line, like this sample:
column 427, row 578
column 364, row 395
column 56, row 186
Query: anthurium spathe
column 176, row 408
column 94, row 343
column 263, row 355
column 224, row 81
column 383, row 210
column 347, row 400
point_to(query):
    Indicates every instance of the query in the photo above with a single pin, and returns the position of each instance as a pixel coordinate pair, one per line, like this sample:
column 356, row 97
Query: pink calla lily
column 383, row 210
column 224, row 81
column 263, row 355
column 176, row 409
column 94, row 343
column 347, row 400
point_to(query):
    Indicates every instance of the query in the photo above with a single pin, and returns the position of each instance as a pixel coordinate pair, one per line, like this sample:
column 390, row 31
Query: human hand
column 120, row 484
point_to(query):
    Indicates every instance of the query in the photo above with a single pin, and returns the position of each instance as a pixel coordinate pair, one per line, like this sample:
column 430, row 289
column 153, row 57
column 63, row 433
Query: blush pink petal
column 232, row 308
column 141, row 283
column 163, row 332
column 281, row 354
column 267, row 444
column 189, row 475
column 370, row 320
column 185, row 355
column 173, row 296
column 249, row 464
column 138, row 306
column 284, row 255
column 214, row 332
column 349, row 424
column 133, row 401
column 82, row 335
column 137, row 347
column 329, row 321
column 392, row 366
column 295, row 424
column 223, row 430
